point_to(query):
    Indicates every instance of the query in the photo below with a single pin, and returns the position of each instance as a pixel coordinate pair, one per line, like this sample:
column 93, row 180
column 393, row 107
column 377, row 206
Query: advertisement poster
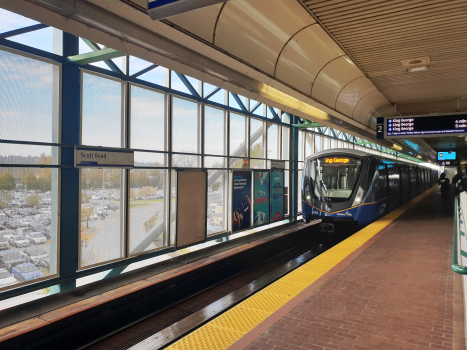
column 261, row 196
column 277, row 196
column 241, row 203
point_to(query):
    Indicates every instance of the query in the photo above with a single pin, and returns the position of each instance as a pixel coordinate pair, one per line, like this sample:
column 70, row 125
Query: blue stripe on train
column 364, row 214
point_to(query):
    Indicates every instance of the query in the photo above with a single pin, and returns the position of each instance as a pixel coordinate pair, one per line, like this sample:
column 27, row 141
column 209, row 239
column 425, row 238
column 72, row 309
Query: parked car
column 7, row 233
column 6, row 278
column 4, row 243
column 36, row 238
column 94, row 217
column 10, row 258
column 44, row 263
column 26, row 272
column 19, row 241
column 33, row 254
column 46, row 234
column 112, row 206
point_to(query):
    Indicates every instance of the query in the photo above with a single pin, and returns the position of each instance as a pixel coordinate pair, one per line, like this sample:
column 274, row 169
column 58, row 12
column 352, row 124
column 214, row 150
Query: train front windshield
column 334, row 177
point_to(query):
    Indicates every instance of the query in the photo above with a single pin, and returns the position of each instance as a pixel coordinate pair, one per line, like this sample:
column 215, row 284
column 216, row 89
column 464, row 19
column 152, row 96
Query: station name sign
column 104, row 157
column 425, row 126
column 277, row 164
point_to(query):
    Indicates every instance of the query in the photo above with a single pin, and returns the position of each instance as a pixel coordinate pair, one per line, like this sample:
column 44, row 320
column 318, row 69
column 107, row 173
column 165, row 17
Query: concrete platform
column 389, row 286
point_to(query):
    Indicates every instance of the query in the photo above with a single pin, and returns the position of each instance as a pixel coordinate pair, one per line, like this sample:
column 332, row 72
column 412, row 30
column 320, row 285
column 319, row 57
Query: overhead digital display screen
column 446, row 156
column 426, row 126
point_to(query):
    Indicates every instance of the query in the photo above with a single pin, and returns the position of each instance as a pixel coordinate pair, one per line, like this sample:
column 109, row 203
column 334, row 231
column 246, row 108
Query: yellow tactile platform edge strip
column 223, row 331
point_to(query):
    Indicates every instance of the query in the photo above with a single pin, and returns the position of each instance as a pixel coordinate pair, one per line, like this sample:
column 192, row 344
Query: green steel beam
column 307, row 125
column 92, row 45
column 96, row 56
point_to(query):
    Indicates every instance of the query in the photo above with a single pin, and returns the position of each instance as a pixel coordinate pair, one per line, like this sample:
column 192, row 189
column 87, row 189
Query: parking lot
column 101, row 223
column 25, row 224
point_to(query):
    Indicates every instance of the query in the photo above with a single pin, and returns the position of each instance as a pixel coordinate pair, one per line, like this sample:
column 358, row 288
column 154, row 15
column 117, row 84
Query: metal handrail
column 455, row 266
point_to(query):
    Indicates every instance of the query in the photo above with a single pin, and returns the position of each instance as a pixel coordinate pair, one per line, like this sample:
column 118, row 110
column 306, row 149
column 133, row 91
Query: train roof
column 362, row 154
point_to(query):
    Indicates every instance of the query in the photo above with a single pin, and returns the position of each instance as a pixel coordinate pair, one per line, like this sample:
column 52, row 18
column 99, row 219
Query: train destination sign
column 425, row 126
column 336, row 160
column 103, row 157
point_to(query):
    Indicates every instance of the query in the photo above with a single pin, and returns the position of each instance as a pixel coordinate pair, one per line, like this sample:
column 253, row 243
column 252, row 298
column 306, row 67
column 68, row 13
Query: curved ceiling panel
column 304, row 55
column 352, row 93
column 369, row 103
column 332, row 78
column 386, row 110
column 257, row 30
column 200, row 22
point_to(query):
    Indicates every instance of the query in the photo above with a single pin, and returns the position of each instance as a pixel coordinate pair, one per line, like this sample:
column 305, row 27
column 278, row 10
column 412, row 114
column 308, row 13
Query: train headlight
column 358, row 197
column 308, row 198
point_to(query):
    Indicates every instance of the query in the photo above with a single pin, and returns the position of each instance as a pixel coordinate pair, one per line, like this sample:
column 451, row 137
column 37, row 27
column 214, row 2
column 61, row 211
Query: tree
column 256, row 151
column 132, row 194
column 145, row 192
column 156, row 177
column 7, row 182
column 30, row 180
column 86, row 215
column 84, row 198
column 45, row 174
column 92, row 178
column 33, row 200
column 115, row 178
column 139, row 178
column 5, row 199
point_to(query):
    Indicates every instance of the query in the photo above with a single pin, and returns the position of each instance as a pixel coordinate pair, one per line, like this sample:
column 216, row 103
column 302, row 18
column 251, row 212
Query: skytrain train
column 353, row 188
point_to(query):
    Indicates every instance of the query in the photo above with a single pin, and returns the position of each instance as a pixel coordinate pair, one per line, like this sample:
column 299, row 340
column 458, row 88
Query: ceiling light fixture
column 417, row 69
column 281, row 97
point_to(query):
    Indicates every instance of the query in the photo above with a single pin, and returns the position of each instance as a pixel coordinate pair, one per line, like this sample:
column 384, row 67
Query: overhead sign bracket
column 160, row 9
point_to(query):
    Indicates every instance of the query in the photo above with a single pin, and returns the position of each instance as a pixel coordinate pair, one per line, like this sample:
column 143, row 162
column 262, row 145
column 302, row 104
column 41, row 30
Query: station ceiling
column 340, row 56
column 378, row 35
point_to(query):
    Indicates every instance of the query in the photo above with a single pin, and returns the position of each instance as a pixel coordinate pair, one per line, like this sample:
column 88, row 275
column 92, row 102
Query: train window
column 334, row 177
column 413, row 182
column 382, row 181
column 393, row 175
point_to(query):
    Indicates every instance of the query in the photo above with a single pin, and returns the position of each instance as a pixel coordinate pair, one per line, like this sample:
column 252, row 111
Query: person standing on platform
column 445, row 188
column 456, row 181
column 441, row 178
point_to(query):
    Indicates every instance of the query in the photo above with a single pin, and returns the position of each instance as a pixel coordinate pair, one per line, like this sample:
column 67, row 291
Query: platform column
column 69, row 196
column 294, row 167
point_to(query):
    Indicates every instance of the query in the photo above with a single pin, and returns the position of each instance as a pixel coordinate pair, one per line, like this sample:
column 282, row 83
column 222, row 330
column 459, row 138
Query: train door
column 394, row 187
column 405, row 184
column 382, row 193
column 413, row 181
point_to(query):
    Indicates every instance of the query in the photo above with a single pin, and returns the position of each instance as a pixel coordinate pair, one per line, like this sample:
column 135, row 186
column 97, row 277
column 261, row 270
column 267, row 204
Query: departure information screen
column 447, row 155
column 426, row 126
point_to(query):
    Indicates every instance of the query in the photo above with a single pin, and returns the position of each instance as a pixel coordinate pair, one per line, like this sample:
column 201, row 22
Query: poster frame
column 232, row 199
column 270, row 199
column 253, row 194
